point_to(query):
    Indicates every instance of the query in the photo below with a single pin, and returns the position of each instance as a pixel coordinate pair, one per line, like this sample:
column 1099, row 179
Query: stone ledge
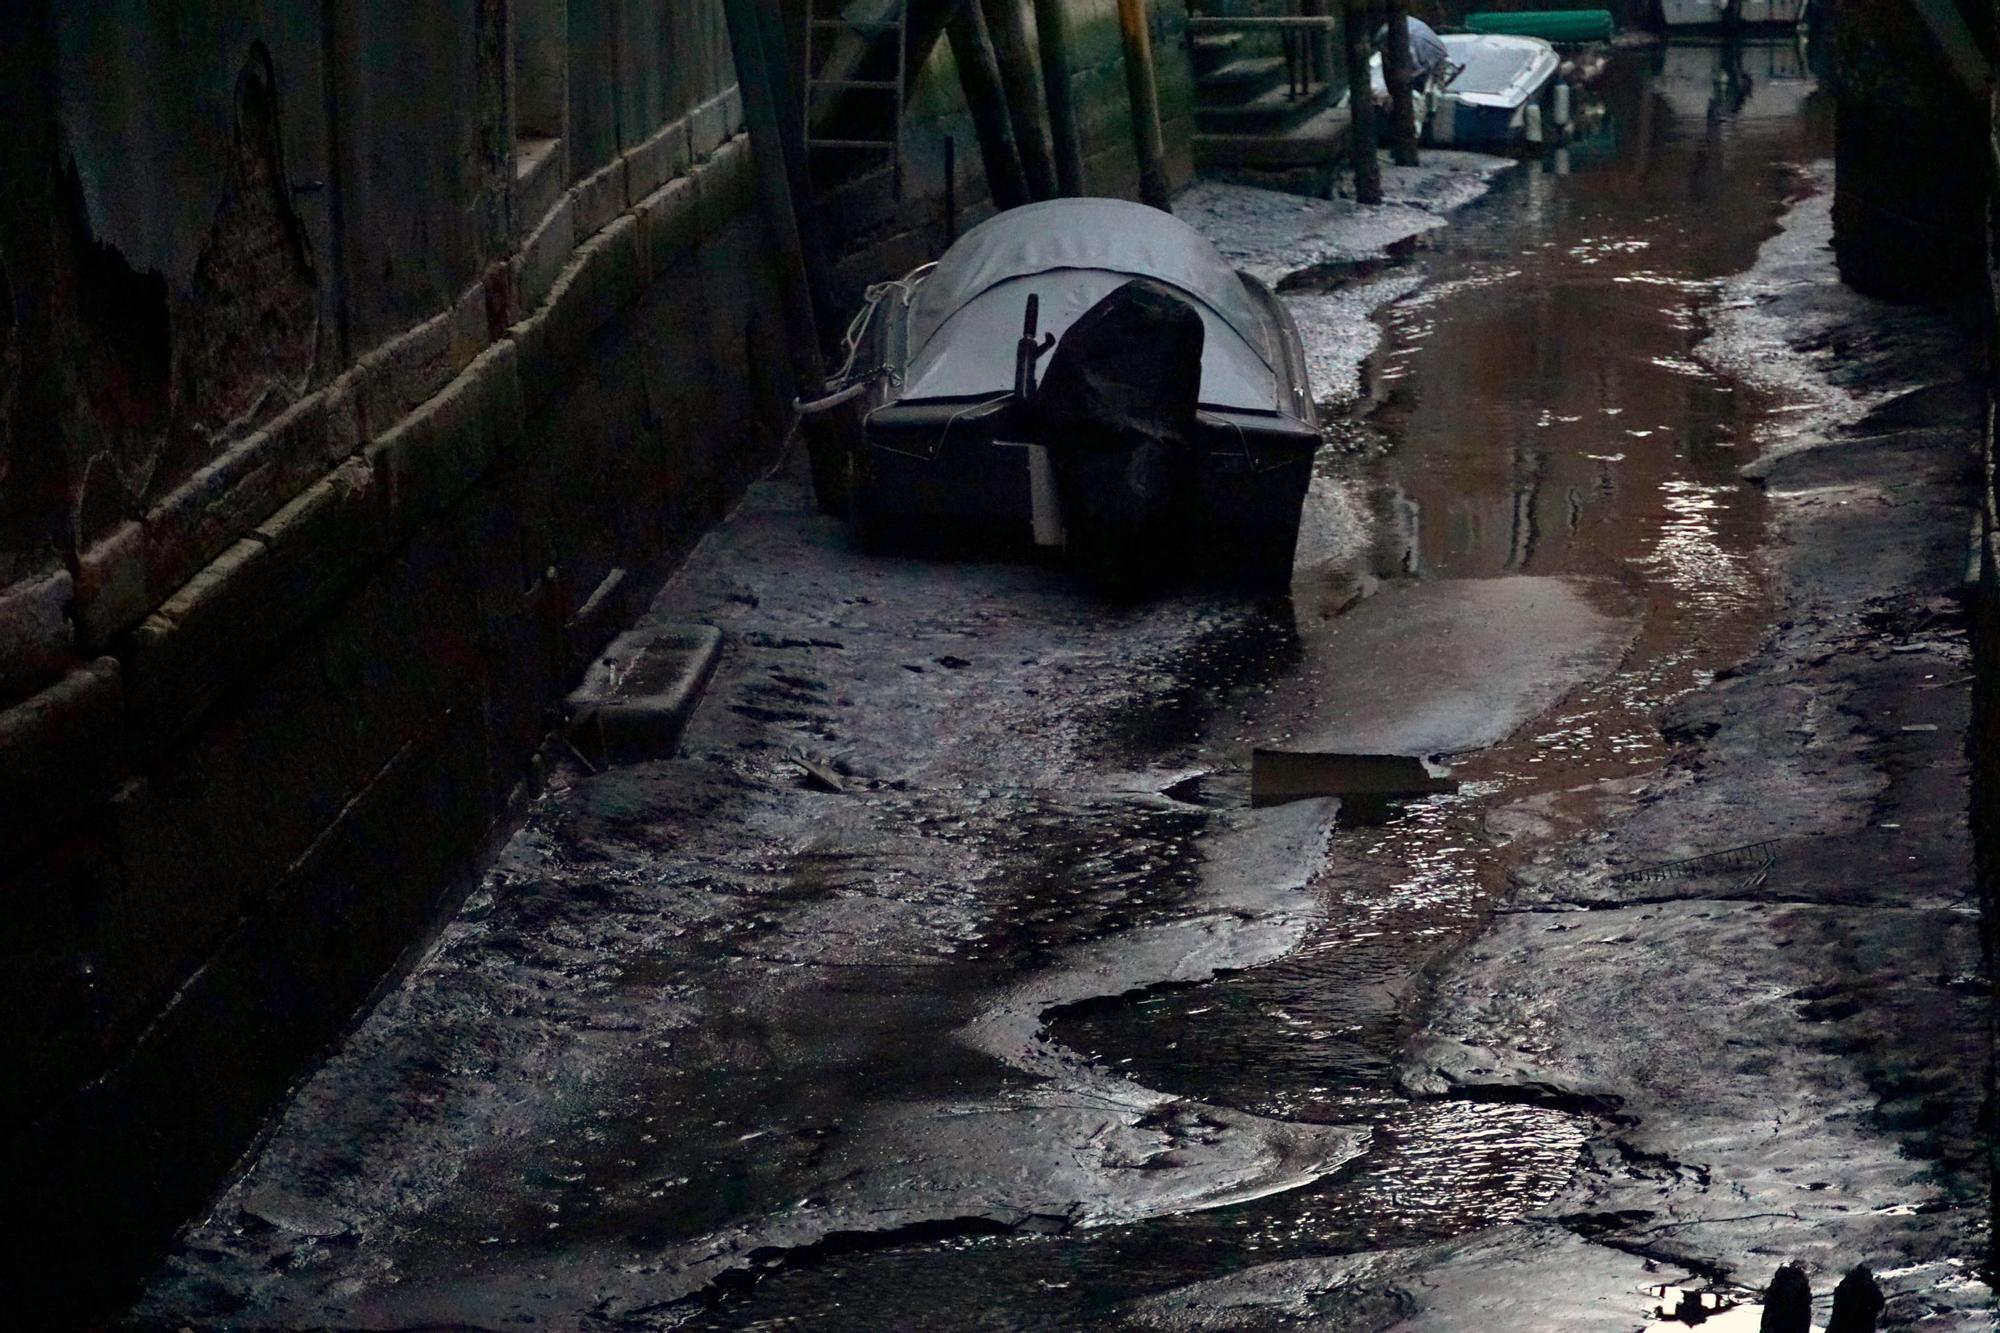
column 232, row 615
column 606, row 274
column 598, row 198
column 436, row 454
column 36, row 637
column 111, row 592
column 249, row 483
column 668, row 225
column 662, row 158
column 715, row 122
column 402, row 373
column 539, row 265
column 258, row 584
column 724, row 186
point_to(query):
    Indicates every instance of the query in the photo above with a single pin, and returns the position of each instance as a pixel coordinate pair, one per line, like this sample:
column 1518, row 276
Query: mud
column 1004, row 1002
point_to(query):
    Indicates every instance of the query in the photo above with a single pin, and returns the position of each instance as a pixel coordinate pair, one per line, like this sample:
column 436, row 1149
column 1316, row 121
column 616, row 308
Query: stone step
column 1274, row 112
column 1314, row 141
column 1212, row 50
column 1240, row 80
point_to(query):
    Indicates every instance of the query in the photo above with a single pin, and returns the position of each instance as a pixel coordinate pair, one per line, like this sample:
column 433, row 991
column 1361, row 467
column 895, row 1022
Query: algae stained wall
column 361, row 367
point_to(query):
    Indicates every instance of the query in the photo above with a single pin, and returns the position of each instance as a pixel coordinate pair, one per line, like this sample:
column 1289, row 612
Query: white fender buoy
column 1562, row 107
column 1534, row 122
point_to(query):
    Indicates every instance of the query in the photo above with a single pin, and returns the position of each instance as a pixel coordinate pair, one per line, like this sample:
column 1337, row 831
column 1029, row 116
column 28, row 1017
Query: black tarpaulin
column 1127, row 372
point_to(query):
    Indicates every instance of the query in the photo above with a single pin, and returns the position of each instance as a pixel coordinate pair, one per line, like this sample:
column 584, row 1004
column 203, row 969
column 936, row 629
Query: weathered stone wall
column 336, row 431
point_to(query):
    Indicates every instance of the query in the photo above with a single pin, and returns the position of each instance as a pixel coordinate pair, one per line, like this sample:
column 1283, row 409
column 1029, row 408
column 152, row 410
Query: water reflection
column 1538, row 407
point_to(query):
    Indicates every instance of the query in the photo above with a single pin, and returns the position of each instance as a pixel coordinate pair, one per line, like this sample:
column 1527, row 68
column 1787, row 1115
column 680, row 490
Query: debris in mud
column 1368, row 783
column 1752, row 858
column 818, row 776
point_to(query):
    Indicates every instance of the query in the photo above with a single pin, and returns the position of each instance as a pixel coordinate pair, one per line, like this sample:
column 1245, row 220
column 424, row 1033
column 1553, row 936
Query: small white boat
column 1717, row 13
column 1173, row 423
column 1491, row 90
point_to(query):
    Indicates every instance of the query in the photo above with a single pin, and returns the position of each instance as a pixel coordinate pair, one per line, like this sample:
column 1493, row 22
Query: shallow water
column 1537, row 407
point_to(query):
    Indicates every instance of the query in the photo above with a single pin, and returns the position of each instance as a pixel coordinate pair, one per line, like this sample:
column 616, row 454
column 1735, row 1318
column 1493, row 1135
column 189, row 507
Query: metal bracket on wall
column 855, row 32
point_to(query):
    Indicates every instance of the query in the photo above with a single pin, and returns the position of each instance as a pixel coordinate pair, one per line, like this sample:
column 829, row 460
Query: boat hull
column 1499, row 78
column 963, row 474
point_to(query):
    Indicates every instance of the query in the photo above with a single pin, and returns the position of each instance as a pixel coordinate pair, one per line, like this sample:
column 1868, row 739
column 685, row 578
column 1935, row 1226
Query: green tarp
column 1551, row 25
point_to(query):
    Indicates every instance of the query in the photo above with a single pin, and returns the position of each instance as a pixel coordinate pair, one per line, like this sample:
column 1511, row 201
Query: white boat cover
column 1499, row 71
column 967, row 316
column 1495, row 69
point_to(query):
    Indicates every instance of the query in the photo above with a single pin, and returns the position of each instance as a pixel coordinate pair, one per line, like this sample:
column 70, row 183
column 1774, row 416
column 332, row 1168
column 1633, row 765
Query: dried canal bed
column 1539, row 408
column 1033, row 1022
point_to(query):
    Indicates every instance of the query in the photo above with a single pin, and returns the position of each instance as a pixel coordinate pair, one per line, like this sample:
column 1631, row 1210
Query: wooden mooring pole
column 986, row 98
column 1058, row 79
column 1361, row 104
column 1143, row 88
column 1398, row 71
column 775, row 189
column 1007, row 21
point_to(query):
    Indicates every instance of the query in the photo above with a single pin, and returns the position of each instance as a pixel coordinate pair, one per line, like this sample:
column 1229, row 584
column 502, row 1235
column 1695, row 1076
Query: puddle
column 1332, row 274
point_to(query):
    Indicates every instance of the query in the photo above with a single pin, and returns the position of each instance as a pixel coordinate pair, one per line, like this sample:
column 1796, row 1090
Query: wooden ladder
column 847, row 38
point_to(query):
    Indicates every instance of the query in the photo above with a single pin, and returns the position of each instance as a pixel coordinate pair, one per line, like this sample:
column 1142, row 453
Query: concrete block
column 544, row 255
column 617, row 263
column 248, row 483
column 471, row 331
column 537, row 188
column 608, row 272
column 433, row 456
column 111, row 593
column 58, row 750
column 36, row 638
column 661, row 158
column 219, row 818
column 597, row 199
column 732, row 111
column 636, row 699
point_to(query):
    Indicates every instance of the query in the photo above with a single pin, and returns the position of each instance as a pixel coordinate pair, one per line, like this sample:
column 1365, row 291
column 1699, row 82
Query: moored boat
column 1491, row 92
column 1089, row 374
